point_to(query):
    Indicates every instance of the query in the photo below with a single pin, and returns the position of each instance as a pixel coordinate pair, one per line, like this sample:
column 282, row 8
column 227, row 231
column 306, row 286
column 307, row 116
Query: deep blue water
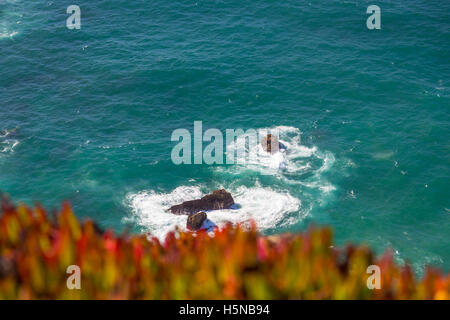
column 87, row 115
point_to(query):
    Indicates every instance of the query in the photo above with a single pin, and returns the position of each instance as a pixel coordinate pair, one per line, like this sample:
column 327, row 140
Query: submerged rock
column 219, row 199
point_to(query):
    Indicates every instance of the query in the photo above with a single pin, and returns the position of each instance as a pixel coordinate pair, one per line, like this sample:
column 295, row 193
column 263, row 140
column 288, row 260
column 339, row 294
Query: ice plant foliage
column 235, row 263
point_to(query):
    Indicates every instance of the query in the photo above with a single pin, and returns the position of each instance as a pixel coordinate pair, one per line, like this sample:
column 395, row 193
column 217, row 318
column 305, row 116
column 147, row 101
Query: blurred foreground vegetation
column 234, row 263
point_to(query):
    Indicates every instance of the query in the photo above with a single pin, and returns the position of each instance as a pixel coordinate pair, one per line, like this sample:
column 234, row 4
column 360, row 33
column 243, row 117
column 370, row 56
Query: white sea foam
column 265, row 206
column 150, row 209
column 11, row 18
column 269, row 206
column 269, row 164
column 4, row 133
column 297, row 159
column 7, row 144
column 8, row 34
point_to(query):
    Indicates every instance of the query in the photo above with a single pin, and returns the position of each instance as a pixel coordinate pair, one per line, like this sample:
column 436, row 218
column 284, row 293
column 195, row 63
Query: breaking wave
column 10, row 19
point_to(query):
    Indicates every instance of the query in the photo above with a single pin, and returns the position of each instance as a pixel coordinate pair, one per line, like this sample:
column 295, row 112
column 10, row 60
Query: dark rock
column 219, row 199
column 195, row 221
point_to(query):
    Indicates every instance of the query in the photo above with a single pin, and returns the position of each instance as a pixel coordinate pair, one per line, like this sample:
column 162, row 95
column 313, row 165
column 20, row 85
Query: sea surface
column 87, row 115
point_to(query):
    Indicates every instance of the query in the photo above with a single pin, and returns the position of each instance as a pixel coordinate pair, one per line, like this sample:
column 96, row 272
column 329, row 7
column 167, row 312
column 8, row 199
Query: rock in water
column 270, row 144
column 195, row 221
column 219, row 199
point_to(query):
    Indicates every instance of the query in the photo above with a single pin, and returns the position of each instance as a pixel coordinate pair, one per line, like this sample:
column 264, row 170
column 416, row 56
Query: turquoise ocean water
column 87, row 115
